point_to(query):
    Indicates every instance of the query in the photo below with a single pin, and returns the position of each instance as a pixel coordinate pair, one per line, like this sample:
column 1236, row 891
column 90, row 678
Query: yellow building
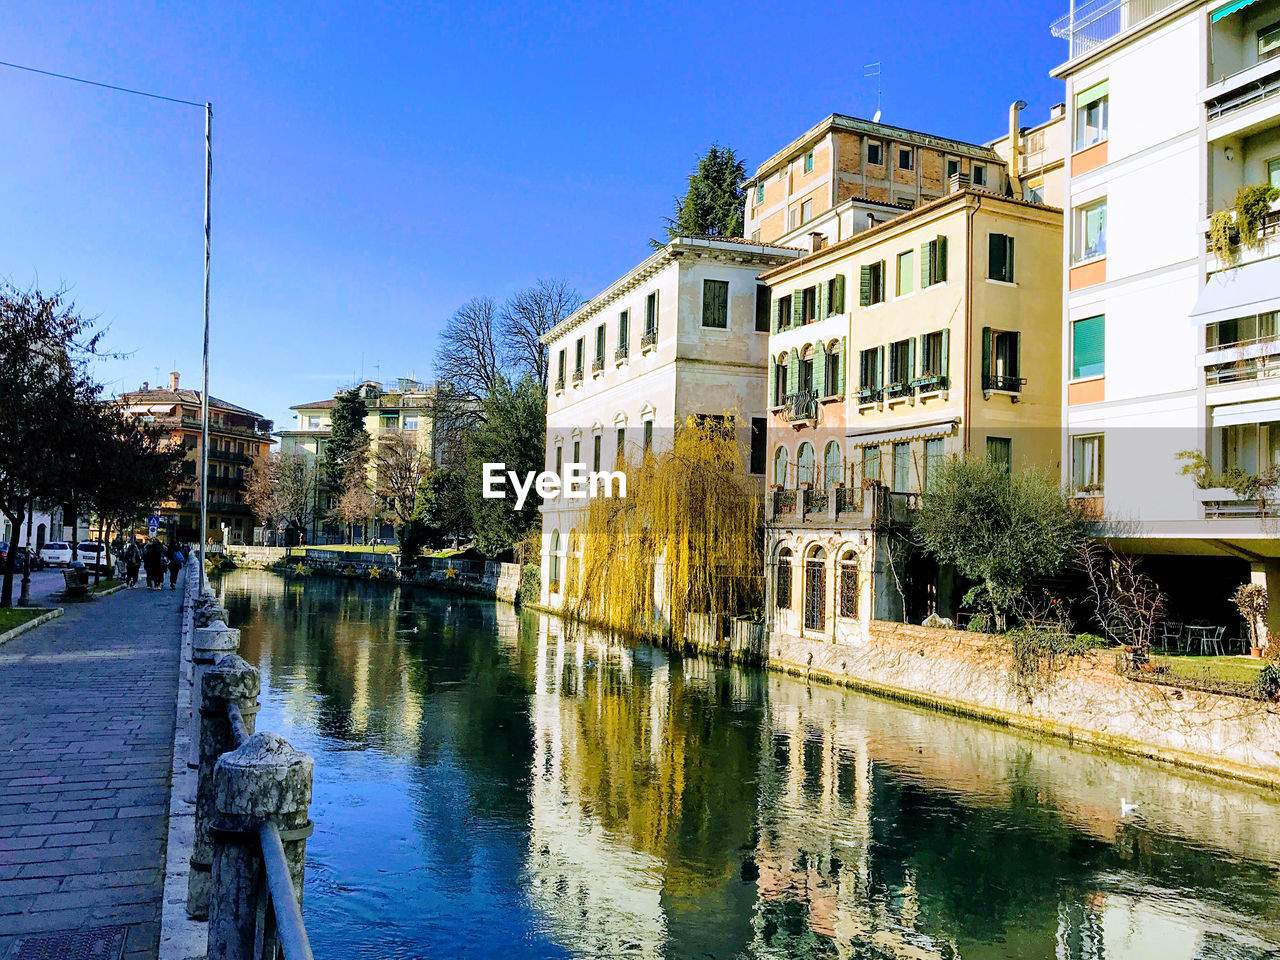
column 933, row 334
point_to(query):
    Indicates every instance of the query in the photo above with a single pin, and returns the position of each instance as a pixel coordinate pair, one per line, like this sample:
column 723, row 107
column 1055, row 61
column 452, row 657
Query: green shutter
column 793, row 371
column 820, row 370
column 986, row 355
column 940, row 260
column 820, row 301
column 925, row 263
column 945, row 366
column 843, row 358
column 1008, row 268
column 865, row 294
column 1088, row 347
column 839, row 294
column 879, row 370
column 995, row 256
column 911, row 361
column 1017, row 354
column 1096, row 92
column 781, row 322
column 797, row 308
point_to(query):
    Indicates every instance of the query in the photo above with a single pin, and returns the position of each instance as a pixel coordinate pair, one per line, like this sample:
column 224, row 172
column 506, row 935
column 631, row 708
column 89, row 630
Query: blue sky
column 378, row 164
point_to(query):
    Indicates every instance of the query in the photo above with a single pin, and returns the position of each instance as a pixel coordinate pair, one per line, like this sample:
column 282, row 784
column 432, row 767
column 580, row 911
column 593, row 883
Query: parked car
column 92, row 554
column 56, row 553
column 22, row 556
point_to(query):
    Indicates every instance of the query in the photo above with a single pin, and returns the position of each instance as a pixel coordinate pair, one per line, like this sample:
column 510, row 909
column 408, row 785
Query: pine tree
column 713, row 204
column 348, row 440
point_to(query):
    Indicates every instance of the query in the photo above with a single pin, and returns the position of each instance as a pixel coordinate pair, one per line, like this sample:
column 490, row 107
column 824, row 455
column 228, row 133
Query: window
column 410, row 421
column 389, row 421
column 870, row 371
column 755, row 236
column 1227, row 333
column 1273, row 172
column 815, row 590
column 313, row 423
column 1086, row 463
column 577, row 451
column 553, row 562
column 933, row 354
column 784, row 312
column 953, row 167
column 804, row 464
column 933, row 262
column 805, row 379
column 1000, row 257
column 806, row 211
column 559, row 459
column 651, row 314
column 783, row 591
column 560, row 370
column 780, row 466
column 901, row 467
column 872, row 287
column 874, row 156
column 1087, row 342
column 579, row 350
column 595, row 451
column 1001, row 350
column 871, row 462
column 759, row 193
column 715, row 303
column 1034, row 193
column 648, row 435
column 779, row 382
column 906, row 159
column 1250, row 447
column 620, row 452
column 759, row 437
column 1091, row 116
column 848, row 604
column 808, row 304
column 979, row 175
column 763, row 303
column 835, row 295
column 906, row 272
column 1000, row 452
column 832, row 465
column 1089, row 232
column 833, row 370
column 624, row 332
column 600, row 346
column 901, row 362
column 808, row 162
column 933, row 459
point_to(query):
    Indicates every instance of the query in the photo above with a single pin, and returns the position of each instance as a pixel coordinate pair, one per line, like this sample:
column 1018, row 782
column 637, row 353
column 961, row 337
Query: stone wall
column 1086, row 700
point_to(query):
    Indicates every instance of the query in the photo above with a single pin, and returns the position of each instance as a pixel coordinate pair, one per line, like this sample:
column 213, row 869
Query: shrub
column 530, row 584
column 1268, row 681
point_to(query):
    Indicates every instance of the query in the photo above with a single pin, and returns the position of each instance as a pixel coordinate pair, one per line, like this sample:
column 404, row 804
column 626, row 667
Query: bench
column 74, row 589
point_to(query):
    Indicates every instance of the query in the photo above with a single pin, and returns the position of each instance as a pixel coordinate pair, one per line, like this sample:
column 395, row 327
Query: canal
column 487, row 786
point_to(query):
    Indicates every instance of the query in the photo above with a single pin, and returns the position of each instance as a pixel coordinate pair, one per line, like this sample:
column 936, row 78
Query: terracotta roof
column 742, row 240
column 318, row 405
column 188, row 397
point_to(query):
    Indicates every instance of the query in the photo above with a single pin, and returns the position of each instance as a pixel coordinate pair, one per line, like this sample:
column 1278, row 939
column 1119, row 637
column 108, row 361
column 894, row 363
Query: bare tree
column 468, row 358
column 282, row 488
column 355, row 502
column 527, row 316
column 401, row 467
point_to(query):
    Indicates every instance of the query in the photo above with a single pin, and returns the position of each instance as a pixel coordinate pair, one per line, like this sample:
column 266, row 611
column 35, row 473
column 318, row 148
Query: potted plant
column 1253, row 603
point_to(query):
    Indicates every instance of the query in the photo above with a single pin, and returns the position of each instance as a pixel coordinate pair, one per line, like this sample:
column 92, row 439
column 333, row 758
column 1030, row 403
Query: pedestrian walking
column 153, row 563
column 175, row 566
column 132, row 562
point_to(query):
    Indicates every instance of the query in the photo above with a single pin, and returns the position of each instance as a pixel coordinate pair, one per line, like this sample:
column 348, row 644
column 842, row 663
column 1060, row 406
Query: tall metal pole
column 204, row 383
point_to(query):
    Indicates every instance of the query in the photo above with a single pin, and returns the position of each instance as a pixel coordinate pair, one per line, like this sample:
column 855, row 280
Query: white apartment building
column 684, row 333
column 1168, row 348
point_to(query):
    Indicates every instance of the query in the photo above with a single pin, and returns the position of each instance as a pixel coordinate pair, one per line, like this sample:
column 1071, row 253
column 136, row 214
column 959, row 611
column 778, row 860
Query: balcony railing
column 560, row 382
column 817, row 501
column 1241, row 509
column 1094, row 22
column 784, row 501
column 870, row 394
column 802, row 405
column 991, row 381
column 1253, row 92
column 1269, row 228
column 898, row 390
column 1242, row 371
column 930, row 383
column 597, row 364
column 623, row 351
column 577, row 375
column 648, row 339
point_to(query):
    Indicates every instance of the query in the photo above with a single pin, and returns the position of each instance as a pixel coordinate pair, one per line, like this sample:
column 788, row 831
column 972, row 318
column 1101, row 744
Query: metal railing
column 930, row 382
column 870, row 394
column 898, row 390
column 801, row 405
column 1093, row 23
column 817, row 501
column 1256, row 368
column 1241, row 509
column 560, row 382
column 622, row 352
column 1254, row 92
column 597, row 364
column 577, row 375
column 648, row 339
column 991, row 381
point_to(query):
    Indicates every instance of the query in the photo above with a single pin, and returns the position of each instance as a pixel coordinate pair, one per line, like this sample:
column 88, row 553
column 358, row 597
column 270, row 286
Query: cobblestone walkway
column 86, row 737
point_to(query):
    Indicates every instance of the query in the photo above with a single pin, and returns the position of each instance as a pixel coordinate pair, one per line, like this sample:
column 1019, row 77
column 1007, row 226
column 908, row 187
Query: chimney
column 1015, row 147
column 817, row 241
column 173, row 380
column 145, row 386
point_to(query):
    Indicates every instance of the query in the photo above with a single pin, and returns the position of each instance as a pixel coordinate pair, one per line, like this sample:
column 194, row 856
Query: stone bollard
column 264, row 780
column 208, row 645
column 232, row 680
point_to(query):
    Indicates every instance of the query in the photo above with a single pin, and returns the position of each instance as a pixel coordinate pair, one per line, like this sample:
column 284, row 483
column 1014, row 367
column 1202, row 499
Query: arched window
column 572, row 566
column 804, row 382
column 780, row 466
column 832, row 465
column 834, row 375
column 780, row 380
column 804, row 463
column 553, row 565
column 815, row 589
column 784, row 579
column 847, row 603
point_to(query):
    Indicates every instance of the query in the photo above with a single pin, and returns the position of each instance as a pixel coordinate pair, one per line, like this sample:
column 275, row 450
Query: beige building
column 401, row 408
column 684, row 333
column 933, row 334
column 1035, row 157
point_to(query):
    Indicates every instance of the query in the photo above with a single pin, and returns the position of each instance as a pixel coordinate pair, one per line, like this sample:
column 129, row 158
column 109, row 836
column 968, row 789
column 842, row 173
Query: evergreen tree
column 348, row 440
column 713, row 204
column 513, row 433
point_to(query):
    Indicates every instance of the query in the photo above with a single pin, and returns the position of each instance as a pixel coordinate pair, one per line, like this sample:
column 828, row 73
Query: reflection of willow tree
column 693, row 506
column 682, row 790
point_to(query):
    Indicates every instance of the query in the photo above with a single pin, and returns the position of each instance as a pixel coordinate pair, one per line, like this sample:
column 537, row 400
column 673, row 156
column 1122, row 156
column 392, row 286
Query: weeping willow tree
column 694, row 509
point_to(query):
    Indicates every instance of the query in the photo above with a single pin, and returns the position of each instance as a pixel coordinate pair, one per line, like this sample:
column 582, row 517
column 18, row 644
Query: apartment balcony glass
column 1093, row 23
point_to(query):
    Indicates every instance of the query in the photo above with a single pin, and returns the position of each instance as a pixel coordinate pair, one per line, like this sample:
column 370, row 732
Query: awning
column 919, row 431
column 1240, row 292
column 1259, row 411
column 1229, row 8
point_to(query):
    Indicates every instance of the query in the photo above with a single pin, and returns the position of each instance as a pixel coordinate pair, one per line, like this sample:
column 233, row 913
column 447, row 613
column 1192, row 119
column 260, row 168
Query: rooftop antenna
column 873, row 70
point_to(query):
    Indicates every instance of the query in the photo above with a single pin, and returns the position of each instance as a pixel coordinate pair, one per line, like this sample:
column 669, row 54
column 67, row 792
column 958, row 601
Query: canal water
column 487, row 786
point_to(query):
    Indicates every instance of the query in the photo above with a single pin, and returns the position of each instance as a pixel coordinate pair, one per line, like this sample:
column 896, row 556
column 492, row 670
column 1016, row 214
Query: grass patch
column 106, row 583
column 352, row 548
column 1231, row 669
column 11, row 617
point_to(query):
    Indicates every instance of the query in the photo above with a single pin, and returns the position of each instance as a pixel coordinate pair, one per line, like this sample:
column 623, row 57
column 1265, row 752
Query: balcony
column 622, row 353
column 560, row 383
column 597, row 365
column 800, row 406
column 932, row 383
column 869, row 395
column 1245, row 369
column 1094, row 22
column 226, row 456
column 861, row 506
column 649, row 339
column 900, row 390
column 995, row 383
column 577, row 375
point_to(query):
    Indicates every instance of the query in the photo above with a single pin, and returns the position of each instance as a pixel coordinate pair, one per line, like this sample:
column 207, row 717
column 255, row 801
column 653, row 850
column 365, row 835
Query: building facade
column 402, row 408
column 684, row 333
column 238, row 438
column 936, row 333
column 1170, row 347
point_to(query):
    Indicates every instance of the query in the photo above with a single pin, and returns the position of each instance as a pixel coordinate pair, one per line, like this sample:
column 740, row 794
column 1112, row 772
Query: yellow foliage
column 695, row 507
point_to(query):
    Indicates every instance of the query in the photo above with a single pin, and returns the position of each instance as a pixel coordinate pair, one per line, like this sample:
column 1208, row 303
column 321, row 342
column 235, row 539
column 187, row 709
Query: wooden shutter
column 940, row 260
column 879, row 368
column 793, row 371
column 865, row 293
column 820, row 370
column 1008, row 259
column 986, row 355
column 797, row 308
column 925, row 264
column 820, row 300
column 911, row 361
column 781, row 322
column 944, row 366
column 995, row 256
column 837, row 294
column 762, row 308
column 841, row 357
column 1017, row 353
